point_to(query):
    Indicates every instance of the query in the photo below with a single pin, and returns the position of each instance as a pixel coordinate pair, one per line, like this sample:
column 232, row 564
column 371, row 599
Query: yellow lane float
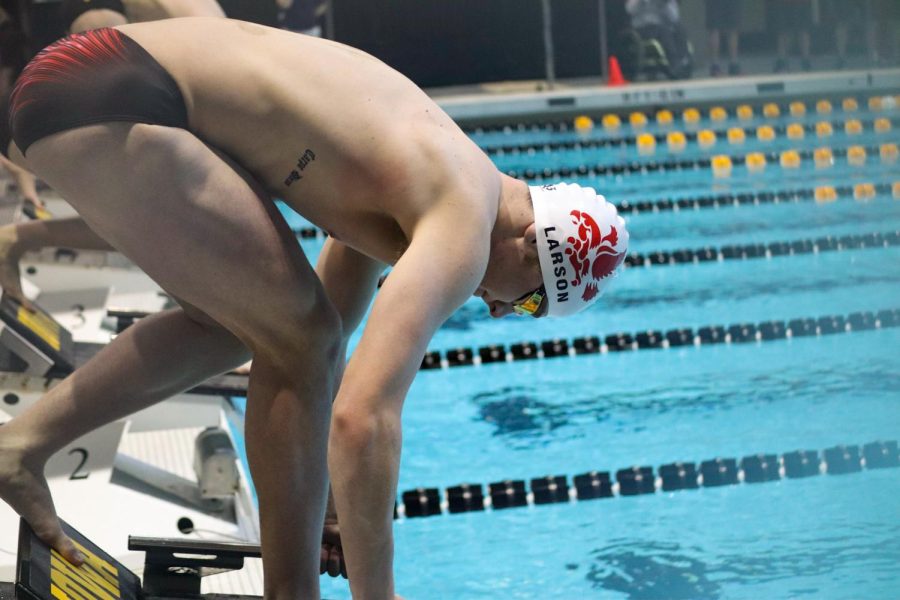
column 853, row 127
column 676, row 141
column 736, row 135
column 646, row 143
column 706, row 138
column 691, row 116
column 864, row 191
column 756, row 162
column 825, row 193
column 584, row 123
column 824, row 129
column 611, row 122
column 856, row 155
column 765, row 133
column 638, row 120
column 796, row 131
column 721, row 166
column 790, row 159
column 823, row 157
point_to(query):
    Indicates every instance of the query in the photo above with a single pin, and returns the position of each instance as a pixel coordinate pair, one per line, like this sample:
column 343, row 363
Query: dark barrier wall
column 447, row 42
column 452, row 42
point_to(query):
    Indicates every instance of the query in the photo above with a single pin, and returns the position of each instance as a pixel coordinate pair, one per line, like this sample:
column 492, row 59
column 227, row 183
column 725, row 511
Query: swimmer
column 171, row 148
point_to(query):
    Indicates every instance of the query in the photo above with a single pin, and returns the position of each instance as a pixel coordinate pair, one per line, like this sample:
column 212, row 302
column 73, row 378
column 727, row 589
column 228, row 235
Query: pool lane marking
column 507, row 149
column 772, row 249
column 670, row 164
column 657, row 339
column 883, row 189
column 642, row 480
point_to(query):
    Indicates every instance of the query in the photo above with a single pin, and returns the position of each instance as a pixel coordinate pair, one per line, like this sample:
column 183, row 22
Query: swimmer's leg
column 191, row 221
column 158, row 357
column 18, row 238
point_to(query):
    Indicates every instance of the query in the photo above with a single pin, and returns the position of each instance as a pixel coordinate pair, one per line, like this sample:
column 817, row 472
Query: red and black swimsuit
column 88, row 78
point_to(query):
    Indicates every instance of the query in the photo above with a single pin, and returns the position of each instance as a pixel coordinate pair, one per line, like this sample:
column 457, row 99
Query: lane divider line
column 640, row 480
column 657, row 339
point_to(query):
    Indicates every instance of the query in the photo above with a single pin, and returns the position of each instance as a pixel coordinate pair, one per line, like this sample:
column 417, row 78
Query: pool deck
column 529, row 100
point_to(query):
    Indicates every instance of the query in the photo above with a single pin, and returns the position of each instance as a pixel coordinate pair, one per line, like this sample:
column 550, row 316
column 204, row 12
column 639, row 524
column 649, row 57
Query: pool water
column 826, row 536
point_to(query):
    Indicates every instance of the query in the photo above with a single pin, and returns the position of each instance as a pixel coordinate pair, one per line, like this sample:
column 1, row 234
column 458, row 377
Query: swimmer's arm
column 350, row 280
column 439, row 271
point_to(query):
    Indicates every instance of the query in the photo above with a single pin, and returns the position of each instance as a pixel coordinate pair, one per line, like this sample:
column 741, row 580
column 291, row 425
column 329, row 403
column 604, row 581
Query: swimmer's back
column 265, row 96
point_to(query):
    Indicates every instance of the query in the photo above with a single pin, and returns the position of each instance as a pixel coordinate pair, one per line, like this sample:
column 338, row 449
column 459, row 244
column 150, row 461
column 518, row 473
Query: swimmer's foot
column 25, row 489
column 10, row 254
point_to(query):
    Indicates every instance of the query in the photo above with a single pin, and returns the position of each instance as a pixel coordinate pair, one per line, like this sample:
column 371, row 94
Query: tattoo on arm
column 302, row 163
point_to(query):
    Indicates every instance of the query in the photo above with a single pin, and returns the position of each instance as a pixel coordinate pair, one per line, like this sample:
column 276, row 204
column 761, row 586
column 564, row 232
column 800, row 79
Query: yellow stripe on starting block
column 96, row 579
column 41, row 326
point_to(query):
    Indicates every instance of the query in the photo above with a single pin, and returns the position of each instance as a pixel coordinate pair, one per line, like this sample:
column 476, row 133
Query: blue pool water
column 820, row 537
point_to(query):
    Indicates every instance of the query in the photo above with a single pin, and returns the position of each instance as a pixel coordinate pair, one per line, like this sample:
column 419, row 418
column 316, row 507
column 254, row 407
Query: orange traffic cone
column 615, row 73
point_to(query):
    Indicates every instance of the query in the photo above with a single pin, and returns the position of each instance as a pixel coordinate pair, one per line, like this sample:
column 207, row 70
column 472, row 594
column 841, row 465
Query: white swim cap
column 581, row 240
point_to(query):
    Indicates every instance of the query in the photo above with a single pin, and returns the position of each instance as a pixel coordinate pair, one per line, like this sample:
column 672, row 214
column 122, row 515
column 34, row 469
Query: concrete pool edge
column 485, row 107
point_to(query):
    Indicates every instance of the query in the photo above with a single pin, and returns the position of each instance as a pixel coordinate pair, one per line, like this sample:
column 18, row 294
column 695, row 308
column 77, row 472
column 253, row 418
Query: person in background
column 84, row 15
column 836, row 14
column 886, row 25
column 659, row 22
column 723, row 19
column 793, row 17
column 302, row 16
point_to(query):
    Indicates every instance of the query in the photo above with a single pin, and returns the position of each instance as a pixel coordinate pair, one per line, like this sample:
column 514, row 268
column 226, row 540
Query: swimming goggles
column 531, row 304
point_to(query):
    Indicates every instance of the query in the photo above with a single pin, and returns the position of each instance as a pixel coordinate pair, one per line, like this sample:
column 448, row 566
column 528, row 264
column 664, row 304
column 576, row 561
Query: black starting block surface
column 42, row 574
column 39, row 333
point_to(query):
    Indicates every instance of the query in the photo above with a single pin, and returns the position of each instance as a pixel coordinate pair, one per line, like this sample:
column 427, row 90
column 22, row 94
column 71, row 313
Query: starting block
column 33, row 342
column 172, row 569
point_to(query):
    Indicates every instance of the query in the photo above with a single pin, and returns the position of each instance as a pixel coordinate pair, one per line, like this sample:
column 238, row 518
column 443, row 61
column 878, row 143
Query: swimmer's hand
column 332, row 558
column 10, row 277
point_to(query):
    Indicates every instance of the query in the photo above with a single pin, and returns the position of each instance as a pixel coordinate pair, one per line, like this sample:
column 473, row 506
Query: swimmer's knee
column 196, row 315
column 311, row 334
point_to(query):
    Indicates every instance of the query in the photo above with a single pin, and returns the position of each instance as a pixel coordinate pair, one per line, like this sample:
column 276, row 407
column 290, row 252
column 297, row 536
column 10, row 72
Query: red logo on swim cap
column 591, row 253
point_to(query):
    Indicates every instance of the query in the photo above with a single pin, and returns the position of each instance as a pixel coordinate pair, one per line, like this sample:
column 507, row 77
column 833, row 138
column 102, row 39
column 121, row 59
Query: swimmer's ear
column 531, row 234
